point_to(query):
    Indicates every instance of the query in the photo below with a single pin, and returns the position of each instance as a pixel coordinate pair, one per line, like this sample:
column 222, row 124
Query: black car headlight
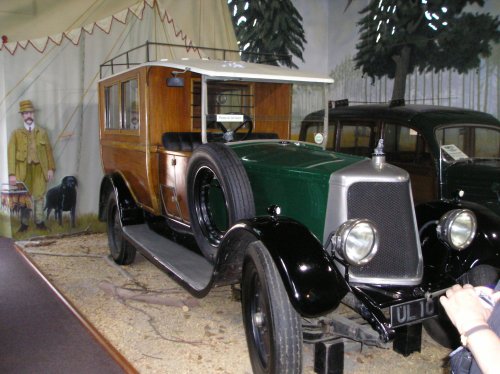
column 457, row 228
column 356, row 240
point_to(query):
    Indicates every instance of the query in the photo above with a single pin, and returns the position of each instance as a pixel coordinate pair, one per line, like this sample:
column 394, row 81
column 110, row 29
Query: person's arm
column 466, row 311
column 485, row 347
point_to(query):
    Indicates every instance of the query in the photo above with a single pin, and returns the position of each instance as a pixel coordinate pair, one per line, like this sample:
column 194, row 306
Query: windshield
column 469, row 141
column 246, row 110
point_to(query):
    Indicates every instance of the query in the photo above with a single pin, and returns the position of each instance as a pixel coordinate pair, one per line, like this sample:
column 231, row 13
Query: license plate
column 413, row 311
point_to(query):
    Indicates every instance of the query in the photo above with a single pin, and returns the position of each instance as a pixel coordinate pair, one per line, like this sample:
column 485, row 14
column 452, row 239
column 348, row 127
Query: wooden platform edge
column 101, row 340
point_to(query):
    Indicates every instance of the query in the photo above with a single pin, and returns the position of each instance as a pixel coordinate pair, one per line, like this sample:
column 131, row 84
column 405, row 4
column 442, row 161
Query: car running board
column 189, row 269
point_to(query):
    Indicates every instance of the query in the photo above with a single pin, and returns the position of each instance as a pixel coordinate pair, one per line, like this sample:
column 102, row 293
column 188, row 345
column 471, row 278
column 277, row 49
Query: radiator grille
column 389, row 206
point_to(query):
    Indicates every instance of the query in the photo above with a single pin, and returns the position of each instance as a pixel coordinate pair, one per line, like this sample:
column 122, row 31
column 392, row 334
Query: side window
column 130, row 104
column 356, row 139
column 473, row 140
column 404, row 144
column 122, row 106
column 112, row 107
column 486, row 143
column 452, row 135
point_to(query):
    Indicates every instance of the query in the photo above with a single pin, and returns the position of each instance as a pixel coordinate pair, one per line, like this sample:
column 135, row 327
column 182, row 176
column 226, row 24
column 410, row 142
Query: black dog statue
column 62, row 198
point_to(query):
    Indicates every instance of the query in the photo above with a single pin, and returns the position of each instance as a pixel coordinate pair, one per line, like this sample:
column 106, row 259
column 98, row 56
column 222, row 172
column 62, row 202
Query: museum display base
column 40, row 332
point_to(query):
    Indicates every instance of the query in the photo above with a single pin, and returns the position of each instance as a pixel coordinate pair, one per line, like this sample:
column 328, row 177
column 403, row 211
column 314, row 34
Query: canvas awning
column 42, row 23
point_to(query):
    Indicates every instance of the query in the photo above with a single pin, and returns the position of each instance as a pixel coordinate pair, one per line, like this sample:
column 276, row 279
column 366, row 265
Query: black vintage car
column 453, row 158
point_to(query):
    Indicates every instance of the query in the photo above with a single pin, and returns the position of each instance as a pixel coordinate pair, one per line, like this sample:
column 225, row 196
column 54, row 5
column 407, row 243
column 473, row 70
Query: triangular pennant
column 138, row 9
column 40, row 43
column 57, row 38
column 74, row 35
column 121, row 16
column 105, row 24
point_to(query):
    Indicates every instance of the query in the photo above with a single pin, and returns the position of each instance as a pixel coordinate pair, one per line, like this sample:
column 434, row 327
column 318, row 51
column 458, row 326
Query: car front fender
column 313, row 283
column 484, row 249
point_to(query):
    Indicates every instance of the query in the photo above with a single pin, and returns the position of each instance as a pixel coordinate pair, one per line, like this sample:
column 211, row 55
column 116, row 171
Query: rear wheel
column 123, row 252
column 272, row 326
column 440, row 329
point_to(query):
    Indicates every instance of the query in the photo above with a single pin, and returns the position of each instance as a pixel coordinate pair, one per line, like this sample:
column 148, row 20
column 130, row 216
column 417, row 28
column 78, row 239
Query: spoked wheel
column 123, row 252
column 440, row 329
column 219, row 195
column 272, row 326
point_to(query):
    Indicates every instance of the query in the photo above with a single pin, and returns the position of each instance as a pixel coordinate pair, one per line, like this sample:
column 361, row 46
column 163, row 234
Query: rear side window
column 405, row 145
column 130, row 97
column 400, row 143
column 356, row 139
column 122, row 106
column 112, row 107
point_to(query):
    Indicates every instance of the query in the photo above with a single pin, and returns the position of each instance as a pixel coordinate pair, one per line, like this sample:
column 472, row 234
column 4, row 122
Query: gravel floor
column 160, row 328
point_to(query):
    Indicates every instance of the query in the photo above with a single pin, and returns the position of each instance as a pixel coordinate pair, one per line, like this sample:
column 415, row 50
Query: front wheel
column 272, row 326
column 123, row 252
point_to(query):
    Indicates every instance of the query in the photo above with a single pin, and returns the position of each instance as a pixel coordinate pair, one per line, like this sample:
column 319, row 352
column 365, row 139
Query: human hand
column 50, row 175
column 464, row 307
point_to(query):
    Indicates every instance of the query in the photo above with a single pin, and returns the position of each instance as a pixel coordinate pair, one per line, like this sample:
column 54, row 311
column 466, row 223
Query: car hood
column 291, row 157
column 292, row 175
column 479, row 179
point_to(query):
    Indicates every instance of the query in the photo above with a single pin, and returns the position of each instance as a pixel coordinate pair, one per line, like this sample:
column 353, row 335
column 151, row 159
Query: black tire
column 440, row 329
column 216, row 174
column 122, row 252
column 272, row 326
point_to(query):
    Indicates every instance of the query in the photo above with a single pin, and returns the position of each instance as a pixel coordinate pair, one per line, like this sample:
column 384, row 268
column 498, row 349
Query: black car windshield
column 468, row 141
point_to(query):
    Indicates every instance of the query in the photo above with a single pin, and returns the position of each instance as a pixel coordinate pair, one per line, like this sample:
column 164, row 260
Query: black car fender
column 313, row 283
column 130, row 212
column 484, row 249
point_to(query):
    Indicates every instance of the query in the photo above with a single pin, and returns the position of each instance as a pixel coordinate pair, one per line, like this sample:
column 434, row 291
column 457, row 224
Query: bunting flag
column 105, row 24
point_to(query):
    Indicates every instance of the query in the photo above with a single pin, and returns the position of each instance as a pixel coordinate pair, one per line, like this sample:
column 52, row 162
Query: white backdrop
column 62, row 81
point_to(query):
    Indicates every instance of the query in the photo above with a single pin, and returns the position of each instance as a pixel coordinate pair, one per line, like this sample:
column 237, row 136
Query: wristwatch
column 465, row 335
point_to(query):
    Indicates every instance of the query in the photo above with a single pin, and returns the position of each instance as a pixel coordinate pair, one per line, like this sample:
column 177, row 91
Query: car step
column 190, row 269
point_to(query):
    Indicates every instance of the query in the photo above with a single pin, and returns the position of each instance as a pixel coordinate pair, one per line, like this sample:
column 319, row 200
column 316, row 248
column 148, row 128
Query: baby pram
column 16, row 199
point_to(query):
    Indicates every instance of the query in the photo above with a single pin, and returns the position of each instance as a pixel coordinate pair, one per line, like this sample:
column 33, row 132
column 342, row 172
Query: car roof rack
column 341, row 103
column 134, row 57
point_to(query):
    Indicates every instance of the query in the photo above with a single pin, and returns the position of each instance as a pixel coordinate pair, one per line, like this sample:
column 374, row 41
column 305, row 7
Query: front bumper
column 389, row 308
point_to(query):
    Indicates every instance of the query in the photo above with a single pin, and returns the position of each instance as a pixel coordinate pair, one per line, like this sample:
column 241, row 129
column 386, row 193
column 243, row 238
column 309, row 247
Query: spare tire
column 219, row 195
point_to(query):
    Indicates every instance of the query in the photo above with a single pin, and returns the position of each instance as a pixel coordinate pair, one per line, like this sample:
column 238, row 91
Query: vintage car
column 452, row 156
column 202, row 177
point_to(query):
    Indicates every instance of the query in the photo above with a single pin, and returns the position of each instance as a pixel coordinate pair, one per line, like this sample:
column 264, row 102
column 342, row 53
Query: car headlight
column 457, row 228
column 356, row 240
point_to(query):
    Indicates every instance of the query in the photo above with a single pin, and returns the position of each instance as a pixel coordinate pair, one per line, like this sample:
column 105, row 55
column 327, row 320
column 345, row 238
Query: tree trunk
column 449, row 87
column 402, row 63
column 486, row 81
column 478, row 87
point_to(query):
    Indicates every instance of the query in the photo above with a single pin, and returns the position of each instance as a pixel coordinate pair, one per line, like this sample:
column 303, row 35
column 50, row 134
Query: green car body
column 294, row 176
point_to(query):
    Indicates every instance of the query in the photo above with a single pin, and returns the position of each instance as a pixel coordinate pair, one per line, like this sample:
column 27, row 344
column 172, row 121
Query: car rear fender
column 130, row 212
column 311, row 280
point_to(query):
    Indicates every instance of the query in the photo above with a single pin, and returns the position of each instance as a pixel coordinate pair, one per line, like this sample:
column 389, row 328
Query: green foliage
column 437, row 34
column 268, row 31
